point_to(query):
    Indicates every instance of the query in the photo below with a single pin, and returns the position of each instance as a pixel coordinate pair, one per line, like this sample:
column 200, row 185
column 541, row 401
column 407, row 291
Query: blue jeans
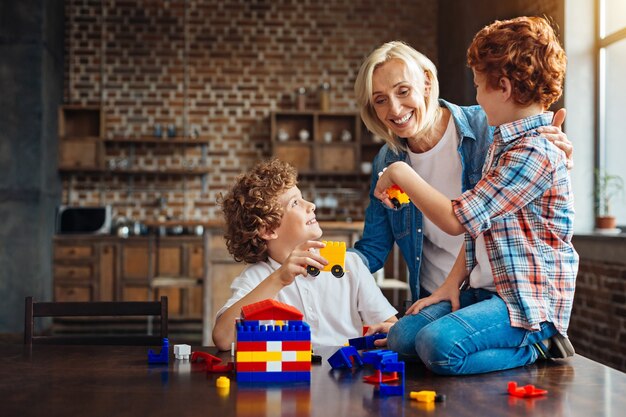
column 475, row 339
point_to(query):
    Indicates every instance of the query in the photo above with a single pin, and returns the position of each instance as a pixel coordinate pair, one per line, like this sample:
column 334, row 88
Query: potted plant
column 607, row 187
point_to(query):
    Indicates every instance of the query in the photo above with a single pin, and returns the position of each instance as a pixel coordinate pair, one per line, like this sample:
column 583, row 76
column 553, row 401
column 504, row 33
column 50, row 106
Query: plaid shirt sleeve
column 522, row 174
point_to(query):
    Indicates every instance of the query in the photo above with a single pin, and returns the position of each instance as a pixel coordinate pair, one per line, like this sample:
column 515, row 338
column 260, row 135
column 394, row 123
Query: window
column 611, row 55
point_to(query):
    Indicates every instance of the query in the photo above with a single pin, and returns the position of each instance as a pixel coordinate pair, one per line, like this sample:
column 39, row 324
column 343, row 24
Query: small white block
column 274, row 346
column 182, row 352
column 274, row 367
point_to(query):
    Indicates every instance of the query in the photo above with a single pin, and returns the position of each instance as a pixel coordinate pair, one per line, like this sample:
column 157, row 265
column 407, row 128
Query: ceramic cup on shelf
column 283, row 136
column 304, row 135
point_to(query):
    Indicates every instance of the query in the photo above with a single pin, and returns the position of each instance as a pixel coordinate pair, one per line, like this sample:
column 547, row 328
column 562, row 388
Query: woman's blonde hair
column 419, row 65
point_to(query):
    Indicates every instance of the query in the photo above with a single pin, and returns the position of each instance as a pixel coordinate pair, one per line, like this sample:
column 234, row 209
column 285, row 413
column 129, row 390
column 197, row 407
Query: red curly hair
column 527, row 52
column 251, row 207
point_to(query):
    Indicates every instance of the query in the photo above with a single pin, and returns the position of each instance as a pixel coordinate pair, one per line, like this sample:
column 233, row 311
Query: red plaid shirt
column 524, row 206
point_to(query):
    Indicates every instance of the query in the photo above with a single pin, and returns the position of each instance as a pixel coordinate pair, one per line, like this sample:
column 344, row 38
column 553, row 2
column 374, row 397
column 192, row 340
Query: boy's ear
column 505, row 87
column 268, row 234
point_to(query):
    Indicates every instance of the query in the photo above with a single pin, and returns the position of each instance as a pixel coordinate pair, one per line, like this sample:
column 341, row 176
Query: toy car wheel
column 337, row 271
column 395, row 202
column 313, row 271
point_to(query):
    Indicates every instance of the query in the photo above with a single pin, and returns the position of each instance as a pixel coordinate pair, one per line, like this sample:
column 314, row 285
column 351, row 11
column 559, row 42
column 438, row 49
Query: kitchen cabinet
column 84, row 270
column 107, row 268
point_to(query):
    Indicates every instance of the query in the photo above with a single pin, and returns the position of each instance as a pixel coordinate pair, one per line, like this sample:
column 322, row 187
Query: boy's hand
column 298, row 260
column 444, row 293
column 379, row 328
column 386, row 180
column 555, row 135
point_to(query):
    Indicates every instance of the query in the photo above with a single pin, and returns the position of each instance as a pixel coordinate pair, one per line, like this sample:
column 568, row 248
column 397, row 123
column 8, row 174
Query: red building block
column 526, row 391
column 270, row 310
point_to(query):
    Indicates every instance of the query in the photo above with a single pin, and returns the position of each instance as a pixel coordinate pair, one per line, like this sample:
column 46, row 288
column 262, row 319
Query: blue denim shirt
column 385, row 226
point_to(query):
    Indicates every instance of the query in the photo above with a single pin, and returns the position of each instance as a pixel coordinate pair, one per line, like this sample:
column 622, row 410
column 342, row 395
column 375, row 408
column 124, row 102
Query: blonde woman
column 397, row 92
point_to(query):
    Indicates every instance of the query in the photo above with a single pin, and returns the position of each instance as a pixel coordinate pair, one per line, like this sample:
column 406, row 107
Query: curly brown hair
column 251, row 207
column 527, row 52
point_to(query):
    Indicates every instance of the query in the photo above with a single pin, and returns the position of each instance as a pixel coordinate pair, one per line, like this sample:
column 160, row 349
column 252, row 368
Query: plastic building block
column 427, row 396
column 270, row 310
column 366, row 342
column 397, row 196
column 161, row 357
column 212, row 362
column 222, row 382
column 386, row 389
column 316, row 359
column 342, row 358
column 276, row 351
column 248, row 377
column 377, row 357
column 223, row 386
column 335, row 254
column 182, row 352
column 378, row 377
column 423, row 396
column 526, row 391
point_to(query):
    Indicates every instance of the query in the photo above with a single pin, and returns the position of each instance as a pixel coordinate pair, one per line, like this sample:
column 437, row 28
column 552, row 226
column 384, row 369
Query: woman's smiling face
column 398, row 98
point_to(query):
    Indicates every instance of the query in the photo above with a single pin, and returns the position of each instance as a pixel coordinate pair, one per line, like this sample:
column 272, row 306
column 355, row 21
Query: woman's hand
column 555, row 135
column 447, row 292
column 299, row 259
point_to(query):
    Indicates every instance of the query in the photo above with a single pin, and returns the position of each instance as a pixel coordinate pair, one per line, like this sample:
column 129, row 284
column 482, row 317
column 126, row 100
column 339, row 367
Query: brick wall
column 220, row 67
column 598, row 324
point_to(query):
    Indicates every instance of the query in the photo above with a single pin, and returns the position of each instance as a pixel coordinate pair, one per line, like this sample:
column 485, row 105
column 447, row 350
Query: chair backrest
column 96, row 309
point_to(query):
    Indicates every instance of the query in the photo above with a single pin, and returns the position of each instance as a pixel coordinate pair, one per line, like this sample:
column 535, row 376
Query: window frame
column 602, row 42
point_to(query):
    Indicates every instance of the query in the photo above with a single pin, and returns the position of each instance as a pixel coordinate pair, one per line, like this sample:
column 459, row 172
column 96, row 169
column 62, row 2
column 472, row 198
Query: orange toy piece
column 525, row 391
column 397, row 196
column 335, row 254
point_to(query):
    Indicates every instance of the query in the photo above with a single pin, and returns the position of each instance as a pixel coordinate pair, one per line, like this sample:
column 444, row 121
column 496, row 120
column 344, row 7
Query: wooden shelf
column 332, row 144
column 160, row 141
column 93, row 170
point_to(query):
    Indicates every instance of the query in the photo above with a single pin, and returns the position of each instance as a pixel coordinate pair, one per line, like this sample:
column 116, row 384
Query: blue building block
column 341, row 358
column 161, row 357
column 377, row 357
column 253, row 377
column 253, row 332
column 386, row 389
column 366, row 342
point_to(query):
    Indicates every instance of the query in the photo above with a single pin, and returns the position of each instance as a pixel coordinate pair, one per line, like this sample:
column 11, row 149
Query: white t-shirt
column 335, row 308
column 441, row 167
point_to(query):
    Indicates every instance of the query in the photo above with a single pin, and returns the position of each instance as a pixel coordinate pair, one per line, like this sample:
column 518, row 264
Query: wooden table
column 117, row 381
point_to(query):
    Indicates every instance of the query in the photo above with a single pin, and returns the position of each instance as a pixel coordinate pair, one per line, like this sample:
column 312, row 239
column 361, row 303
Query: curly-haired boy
column 518, row 259
column 271, row 227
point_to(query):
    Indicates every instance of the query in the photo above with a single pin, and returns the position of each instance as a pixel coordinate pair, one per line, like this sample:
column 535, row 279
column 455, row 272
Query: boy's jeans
column 477, row 338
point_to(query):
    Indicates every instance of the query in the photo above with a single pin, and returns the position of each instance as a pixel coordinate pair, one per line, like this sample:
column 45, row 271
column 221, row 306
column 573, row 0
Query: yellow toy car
column 397, row 196
column 335, row 254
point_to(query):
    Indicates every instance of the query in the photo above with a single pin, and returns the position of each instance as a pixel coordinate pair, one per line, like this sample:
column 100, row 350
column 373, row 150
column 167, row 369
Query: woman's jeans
column 475, row 339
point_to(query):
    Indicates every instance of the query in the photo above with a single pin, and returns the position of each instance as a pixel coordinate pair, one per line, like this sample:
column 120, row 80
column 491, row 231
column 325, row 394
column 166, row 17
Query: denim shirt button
column 417, row 258
column 419, row 230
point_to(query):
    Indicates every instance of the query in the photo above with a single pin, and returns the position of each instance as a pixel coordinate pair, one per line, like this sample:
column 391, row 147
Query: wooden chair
column 95, row 309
